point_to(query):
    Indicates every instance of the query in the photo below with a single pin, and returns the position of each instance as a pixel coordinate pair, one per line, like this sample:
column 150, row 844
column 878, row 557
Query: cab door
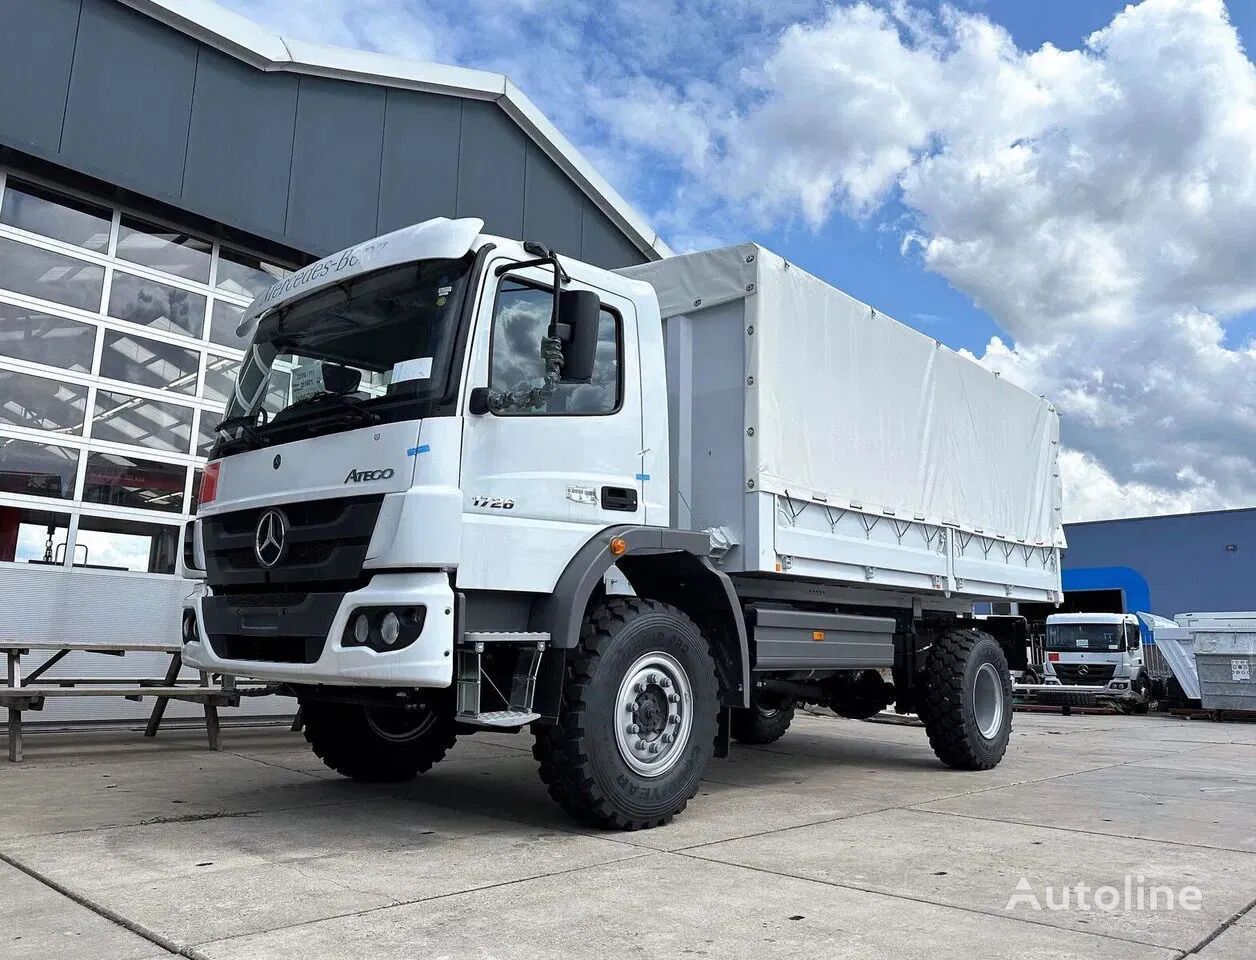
column 546, row 468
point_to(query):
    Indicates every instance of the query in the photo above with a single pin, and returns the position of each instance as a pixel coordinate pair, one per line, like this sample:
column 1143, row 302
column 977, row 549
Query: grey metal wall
column 1184, row 559
column 308, row 162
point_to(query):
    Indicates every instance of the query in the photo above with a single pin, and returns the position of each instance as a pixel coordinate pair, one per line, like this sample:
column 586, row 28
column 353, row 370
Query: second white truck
column 441, row 442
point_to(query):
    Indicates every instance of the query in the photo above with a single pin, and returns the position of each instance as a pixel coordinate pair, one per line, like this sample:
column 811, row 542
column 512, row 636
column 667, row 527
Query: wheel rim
column 988, row 701
column 398, row 726
column 653, row 714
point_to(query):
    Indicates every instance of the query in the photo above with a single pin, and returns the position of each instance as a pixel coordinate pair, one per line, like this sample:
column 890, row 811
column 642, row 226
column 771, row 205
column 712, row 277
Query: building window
column 40, row 403
column 106, row 543
column 157, row 305
column 37, row 469
column 131, row 482
column 51, row 214
column 39, row 337
column 37, row 272
column 120, row 418
column 245, row 275
column 165, row 249
column 32, row 536
column 149, row 363
column 223, row 323
column 517, row 370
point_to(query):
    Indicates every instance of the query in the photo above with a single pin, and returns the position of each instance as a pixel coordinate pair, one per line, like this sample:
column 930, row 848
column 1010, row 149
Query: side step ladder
column 522, row 686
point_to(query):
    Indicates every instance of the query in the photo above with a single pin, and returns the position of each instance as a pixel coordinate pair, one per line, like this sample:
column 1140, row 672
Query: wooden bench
column 29, row 693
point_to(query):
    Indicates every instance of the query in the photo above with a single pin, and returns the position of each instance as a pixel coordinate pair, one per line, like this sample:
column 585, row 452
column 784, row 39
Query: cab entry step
column 803, row 640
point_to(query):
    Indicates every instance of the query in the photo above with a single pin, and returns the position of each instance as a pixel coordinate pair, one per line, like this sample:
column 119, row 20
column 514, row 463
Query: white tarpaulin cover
column 853, row 408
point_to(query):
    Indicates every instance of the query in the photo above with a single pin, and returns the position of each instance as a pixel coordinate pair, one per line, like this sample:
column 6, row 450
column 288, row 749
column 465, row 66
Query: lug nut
column 673, row 719
column 654, row 748
column 640, row 744
column 639, row 687
column 633, row 728
column 666, row 738
column 673, row 698
column 664, row 682
column 633, row 707
column 653, row 678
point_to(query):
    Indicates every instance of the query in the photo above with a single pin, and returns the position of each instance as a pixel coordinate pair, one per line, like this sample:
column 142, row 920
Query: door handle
column 619, row 498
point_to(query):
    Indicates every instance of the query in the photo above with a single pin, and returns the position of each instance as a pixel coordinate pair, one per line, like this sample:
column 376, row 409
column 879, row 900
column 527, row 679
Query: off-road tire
column 948, row 706
column 349, row 740
column 579, row 758
column 757, row 724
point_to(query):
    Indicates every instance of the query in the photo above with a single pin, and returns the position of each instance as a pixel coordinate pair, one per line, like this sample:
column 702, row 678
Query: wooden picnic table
column 28, row 692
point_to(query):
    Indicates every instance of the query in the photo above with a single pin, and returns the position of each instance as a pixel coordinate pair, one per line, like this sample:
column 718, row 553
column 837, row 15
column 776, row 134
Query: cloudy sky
column 1066, row 190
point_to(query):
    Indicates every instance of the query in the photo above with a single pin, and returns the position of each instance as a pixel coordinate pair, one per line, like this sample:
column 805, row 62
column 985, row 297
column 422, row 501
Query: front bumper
column 427, row 662
column 1074, row 695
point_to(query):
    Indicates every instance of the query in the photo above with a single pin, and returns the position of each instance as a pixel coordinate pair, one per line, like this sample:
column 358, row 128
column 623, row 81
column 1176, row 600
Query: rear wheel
column 761, row 723
column 638, row 719
column 967, row 705
column 378, row 744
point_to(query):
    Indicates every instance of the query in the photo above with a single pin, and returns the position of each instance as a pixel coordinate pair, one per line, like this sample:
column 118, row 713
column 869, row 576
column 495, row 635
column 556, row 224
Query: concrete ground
column 842, row 840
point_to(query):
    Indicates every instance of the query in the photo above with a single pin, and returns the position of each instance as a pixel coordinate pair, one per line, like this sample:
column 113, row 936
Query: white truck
column 441, row 443
column 1096, row 659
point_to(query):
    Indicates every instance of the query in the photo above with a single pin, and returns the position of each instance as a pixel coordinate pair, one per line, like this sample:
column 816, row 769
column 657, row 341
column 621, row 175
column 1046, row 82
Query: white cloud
column 1100, row 203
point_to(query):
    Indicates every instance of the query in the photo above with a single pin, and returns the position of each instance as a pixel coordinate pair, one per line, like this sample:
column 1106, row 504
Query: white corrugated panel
column 100, row 606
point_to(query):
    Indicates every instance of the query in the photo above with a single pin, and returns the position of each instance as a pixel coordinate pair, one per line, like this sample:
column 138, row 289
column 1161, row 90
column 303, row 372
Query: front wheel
column 967, row 705
column 638, row 718
column 378, row 744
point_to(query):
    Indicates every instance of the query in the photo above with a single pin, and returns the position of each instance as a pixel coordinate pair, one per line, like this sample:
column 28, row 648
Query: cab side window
column 521, row 379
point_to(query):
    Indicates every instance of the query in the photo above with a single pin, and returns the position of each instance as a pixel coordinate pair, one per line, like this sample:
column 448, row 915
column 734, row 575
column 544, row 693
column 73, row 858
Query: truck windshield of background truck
column 375, row 348
column 1086, row 637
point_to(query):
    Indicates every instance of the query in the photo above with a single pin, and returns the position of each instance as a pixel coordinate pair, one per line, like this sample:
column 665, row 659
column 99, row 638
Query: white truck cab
column 442, row 444
column 1096, row 657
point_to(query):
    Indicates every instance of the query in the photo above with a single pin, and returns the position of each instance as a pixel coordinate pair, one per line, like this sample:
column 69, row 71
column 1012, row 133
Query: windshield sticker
column 444, row 291
column 307, row 380
column 1083, row 642
column 420, row 368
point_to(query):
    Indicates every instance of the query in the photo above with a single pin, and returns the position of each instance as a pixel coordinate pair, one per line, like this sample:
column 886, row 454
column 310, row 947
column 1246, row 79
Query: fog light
column 361, row 628
column 389, row 628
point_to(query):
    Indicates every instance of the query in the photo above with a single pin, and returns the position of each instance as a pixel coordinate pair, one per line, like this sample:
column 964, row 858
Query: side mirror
column 579, row 314
column 341, row 380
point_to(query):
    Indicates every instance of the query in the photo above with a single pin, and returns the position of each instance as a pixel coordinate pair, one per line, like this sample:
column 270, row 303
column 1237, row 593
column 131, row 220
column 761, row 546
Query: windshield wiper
column 348, row 404
column 245, row 423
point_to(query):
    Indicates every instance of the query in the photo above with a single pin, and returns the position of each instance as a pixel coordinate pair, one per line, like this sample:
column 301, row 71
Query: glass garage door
column 117, row 352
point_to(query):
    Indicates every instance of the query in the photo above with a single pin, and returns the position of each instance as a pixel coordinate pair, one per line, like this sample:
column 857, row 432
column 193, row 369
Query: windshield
column 365, row 351
column 1093, row 637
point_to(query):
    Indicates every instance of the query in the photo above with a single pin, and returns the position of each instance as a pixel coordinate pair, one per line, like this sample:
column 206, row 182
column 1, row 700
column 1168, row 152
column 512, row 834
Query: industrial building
column 1164, row 565
column 163, row 161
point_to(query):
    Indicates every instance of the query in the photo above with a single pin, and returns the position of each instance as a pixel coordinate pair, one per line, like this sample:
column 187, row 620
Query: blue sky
column 1063, row 189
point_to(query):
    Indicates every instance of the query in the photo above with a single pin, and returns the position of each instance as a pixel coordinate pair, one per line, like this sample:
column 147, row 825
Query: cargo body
column 833, row 442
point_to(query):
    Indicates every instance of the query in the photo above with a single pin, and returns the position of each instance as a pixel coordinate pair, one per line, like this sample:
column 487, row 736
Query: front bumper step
column 471, row 676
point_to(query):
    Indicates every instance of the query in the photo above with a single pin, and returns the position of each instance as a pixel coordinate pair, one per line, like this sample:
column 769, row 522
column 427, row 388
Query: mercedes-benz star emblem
column 270, row 542
column 1083, row 670
column 278, row 460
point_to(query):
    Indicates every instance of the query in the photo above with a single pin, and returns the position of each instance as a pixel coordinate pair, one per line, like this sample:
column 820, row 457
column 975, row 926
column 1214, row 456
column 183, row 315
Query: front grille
column 325, row 544
column 1095, row 675
column 268, row 649
column 273, row 627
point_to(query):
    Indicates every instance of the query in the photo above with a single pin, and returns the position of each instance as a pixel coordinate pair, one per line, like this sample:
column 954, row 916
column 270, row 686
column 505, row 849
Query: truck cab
column 1098, row 656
